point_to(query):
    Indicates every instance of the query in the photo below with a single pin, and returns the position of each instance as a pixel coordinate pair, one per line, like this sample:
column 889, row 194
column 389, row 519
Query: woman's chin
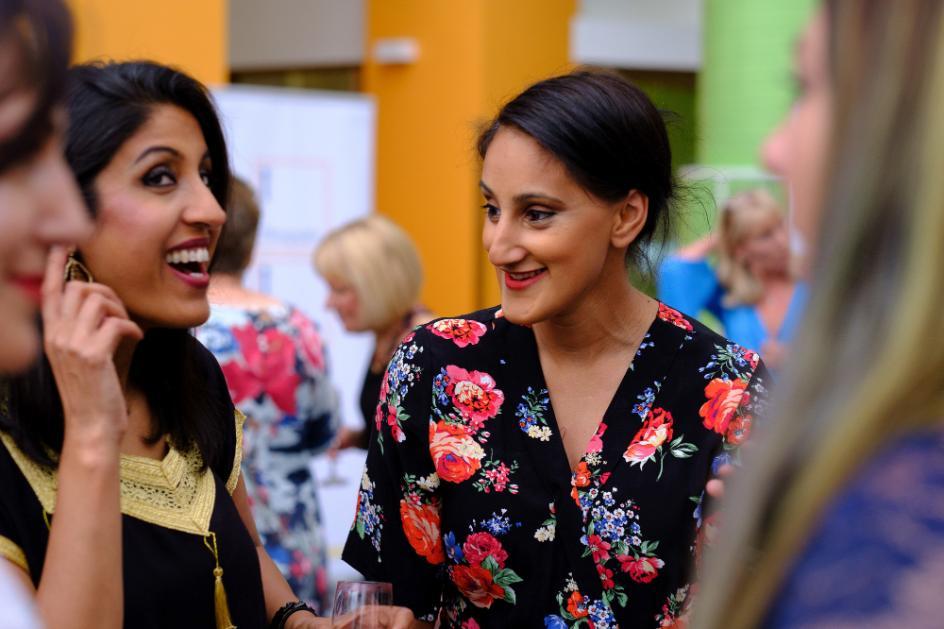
column 521, row 314
column 192, row 317
column 19, row 346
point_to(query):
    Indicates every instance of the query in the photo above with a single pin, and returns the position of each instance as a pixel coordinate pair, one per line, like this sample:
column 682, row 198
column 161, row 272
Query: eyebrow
column 157, row 149
column 524, row 196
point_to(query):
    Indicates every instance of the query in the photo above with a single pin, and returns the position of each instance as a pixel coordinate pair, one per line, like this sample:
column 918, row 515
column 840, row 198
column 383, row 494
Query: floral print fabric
column 467, row 503
column 275, row 367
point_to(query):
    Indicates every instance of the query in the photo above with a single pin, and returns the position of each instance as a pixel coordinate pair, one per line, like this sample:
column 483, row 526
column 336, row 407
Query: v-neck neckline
column 649, row 369
column 658, row 360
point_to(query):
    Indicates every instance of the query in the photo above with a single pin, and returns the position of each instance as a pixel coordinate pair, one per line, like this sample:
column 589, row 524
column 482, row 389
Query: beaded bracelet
column 278, row 620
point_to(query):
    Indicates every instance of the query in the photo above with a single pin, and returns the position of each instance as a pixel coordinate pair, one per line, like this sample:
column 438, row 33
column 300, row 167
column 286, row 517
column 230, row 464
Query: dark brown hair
column 234, row 249
column 608, row 135
column 40, row 32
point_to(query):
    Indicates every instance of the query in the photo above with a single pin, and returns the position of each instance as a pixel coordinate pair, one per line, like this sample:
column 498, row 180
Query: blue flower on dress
column 601, row 615
column 554, row 622
column 453, row 550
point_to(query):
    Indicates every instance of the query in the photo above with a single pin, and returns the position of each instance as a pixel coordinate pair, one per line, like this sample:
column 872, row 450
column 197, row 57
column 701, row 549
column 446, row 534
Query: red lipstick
column 522, row 280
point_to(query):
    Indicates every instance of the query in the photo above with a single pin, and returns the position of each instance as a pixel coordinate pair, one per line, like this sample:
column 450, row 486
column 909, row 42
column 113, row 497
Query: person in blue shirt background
column 752, row 289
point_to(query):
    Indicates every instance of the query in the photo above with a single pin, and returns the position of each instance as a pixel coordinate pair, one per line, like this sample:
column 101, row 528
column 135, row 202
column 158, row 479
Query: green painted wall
column 745, row 85
column 673, row 93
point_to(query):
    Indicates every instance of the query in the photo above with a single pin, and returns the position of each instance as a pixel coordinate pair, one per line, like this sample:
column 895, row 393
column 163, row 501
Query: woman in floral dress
column 544, row 464
column 275, row 367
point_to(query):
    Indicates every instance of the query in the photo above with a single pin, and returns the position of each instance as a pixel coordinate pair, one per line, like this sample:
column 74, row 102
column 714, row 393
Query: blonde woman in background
column 837, row 521
column 753, row 289
column 374, row 276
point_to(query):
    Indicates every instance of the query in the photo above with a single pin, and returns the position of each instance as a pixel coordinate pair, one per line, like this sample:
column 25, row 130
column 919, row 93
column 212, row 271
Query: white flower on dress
column 539, row 432
column 429, row 483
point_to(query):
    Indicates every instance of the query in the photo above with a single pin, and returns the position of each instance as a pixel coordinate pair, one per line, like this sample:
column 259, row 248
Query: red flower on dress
column 575, row 605
column 606, row 577
column 673, row 316
column 596, row 441
column 739, row 429
column 310, row 340
column 421, row 526
column 656, row 430
column 395, row 429
column 455, row 453
column 599, row 548
column 478, row 546
column 477, row 585
column 474, row 394
column 269, row 360
column 462, row 332
column 724, row 397
column 752, row 357
column 642, row 569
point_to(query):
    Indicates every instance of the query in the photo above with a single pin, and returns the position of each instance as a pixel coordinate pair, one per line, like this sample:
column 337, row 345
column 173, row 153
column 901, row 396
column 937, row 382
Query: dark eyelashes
column 164, row 176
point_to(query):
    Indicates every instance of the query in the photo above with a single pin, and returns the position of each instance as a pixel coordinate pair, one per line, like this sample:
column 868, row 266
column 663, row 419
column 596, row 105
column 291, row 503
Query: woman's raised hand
column 83, row 324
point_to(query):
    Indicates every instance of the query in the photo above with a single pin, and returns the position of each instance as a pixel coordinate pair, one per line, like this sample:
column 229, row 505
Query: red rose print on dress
column 455, row 453
column 269, row 360
column 676, row 318
column 478, row 546
column 462, row 332
column 652, row 442
column 477, row 585
column 739, row 429
column 421, row 527
column 656, row 430
column 641, row 569
column 474, row 395
column 596, row 441
column 724, row 397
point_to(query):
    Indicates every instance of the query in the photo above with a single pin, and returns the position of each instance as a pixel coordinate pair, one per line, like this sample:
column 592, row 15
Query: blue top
column 692, row 286
column 877, row 559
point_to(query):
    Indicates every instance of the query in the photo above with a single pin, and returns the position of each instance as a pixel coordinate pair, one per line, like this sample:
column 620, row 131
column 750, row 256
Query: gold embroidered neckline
column 173, row 492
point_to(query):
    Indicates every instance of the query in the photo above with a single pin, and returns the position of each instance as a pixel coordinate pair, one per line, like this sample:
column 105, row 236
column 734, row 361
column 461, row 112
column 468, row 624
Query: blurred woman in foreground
column 40, row 204
column 837, row 521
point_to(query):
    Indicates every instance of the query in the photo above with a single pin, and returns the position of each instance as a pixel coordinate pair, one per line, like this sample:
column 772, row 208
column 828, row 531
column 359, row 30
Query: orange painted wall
column 474, row 54
column 188, row 34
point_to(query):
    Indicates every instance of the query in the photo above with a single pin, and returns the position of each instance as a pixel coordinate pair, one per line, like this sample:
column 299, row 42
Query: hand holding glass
column 362, row 605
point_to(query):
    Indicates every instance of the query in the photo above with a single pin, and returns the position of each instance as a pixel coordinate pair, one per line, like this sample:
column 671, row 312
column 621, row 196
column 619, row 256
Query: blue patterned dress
column 877, row 558
column 276, row 370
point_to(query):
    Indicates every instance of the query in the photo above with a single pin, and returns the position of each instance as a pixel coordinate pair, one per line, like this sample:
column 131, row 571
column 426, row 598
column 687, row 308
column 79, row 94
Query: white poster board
column 310, row 157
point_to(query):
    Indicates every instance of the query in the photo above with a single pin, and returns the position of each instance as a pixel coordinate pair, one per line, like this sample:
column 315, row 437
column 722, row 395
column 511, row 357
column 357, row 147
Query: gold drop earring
column 77, row 271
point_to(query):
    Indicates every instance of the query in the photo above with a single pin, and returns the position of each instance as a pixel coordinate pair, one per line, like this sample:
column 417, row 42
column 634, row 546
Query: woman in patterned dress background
column 276, row 369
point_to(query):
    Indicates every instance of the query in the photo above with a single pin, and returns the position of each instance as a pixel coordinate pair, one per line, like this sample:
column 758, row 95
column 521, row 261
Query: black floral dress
column 468, row 504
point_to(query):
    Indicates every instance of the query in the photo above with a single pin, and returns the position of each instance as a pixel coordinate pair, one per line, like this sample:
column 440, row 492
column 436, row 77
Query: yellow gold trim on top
column 174, row 492
column 233, row 479
column 10, row 550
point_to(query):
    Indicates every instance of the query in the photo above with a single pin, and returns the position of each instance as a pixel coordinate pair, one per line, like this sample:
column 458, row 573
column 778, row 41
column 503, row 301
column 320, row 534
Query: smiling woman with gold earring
column 122, row 503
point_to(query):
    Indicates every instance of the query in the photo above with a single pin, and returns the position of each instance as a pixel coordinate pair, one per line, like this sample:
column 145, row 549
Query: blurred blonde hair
column 741, row 217
column 867, row 365
column 379, row 261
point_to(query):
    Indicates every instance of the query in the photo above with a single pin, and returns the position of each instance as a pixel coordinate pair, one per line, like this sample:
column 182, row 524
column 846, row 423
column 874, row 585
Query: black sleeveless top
column 168, row 509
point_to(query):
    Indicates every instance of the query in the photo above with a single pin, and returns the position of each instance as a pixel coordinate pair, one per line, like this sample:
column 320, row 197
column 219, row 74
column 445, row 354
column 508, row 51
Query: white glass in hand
column 362, row 605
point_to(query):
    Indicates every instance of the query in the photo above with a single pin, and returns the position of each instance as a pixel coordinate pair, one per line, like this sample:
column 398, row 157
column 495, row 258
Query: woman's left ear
column 630, row 219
